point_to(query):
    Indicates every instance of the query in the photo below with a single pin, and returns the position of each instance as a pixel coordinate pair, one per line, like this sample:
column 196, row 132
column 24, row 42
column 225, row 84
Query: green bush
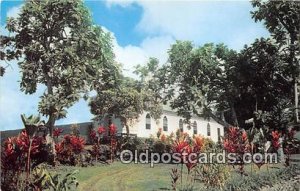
column 261, row 179
column 213, row 175
column 159, row 147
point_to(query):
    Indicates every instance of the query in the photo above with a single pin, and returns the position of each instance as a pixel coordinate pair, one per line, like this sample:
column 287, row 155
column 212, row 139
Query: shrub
column 184, row 146
column 236, row 141
column 213, row 175
column 69, row 149
column 159, row 147
column 14, row 158
column 259, row 180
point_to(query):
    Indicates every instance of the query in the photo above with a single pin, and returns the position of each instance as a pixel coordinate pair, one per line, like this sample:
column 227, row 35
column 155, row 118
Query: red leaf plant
column 15, row 155
column 185, row 148
column 112, row 129
column 101, row 130
column 191, row 162
column 69, row 148
column 236, row 141
column 93, row 135
column 275, row 139
column 57, row 132
column 113, row 141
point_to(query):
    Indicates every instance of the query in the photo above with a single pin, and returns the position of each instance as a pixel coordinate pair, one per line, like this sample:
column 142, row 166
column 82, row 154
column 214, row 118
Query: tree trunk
column 28, row 159
column 296, row 101
column 50, row 123
column 127, row 127
column 234, row 117
column 49, row 138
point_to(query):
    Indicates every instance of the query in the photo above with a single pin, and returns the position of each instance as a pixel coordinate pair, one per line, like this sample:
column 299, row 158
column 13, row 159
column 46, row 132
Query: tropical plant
column 69, row 149
column 31, row 124
column 95, row 137
column 184, row 147
column 57, row 132
column 236, row 142
column 18, row 155
column 43, row 180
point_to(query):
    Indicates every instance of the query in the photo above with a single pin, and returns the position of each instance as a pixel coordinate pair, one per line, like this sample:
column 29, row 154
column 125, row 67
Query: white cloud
column 14, row 102
column 122, row 3
column 130, row 56
column 200, row 21
column 14, row 11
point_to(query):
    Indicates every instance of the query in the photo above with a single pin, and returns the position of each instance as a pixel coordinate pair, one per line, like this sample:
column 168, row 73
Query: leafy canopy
column 60, row 48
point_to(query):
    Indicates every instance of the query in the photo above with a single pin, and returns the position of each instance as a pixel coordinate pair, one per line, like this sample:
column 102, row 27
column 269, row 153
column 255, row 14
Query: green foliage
column 257, row 181
column 130, row 97
column 133, row 144
column 150, row 86
column 214, row 81
column 159, row 147
column 212, row 175
column 31, row 124
column 60, row 48
column 44, row 180
column 124, row 100
column 198, row 79
column 282, row 20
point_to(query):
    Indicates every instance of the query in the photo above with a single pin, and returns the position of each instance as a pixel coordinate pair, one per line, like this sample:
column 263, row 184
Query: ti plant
column 31, row 124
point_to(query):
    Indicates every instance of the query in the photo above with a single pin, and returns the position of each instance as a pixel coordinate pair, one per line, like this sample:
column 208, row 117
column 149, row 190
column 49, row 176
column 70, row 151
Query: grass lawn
column 139, row 177
column 123, row 177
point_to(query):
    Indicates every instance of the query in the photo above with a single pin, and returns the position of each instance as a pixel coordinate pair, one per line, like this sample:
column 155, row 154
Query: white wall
column 139, row 127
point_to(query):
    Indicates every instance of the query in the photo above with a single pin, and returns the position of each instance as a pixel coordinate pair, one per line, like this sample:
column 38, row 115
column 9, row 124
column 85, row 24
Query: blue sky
column 141, row 29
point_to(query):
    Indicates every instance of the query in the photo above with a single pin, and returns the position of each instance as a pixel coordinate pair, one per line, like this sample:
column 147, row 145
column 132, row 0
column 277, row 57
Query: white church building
column 145, row 126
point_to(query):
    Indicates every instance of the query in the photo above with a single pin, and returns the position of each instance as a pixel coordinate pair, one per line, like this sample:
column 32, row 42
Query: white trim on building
column 170, row 122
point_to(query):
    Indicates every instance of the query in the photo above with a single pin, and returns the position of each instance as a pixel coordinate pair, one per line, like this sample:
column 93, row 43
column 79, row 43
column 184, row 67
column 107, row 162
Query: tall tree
column 200, row 81
column 265, row 83
column 282, row 19
column 61, row 49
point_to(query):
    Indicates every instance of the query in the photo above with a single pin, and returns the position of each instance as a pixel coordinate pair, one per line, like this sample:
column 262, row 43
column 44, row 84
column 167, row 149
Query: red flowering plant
column 69, row 149
column 15, row 154
column 236, row 141
column 188, row 150
column 113, row 141
column 101, row 130
column 57, row 132
column 93, row 136
column 275, row 140
column 96, row 137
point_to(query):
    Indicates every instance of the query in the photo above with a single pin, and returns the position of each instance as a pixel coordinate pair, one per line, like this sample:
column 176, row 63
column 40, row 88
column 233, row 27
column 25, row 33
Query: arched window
column 165, row 124
column 195, row 128
column 148, row 121
column 219, row 135
column 181, row 125
column 208, row 129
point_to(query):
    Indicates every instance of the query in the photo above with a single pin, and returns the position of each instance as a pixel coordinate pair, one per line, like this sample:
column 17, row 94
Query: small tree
column 129, row 99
